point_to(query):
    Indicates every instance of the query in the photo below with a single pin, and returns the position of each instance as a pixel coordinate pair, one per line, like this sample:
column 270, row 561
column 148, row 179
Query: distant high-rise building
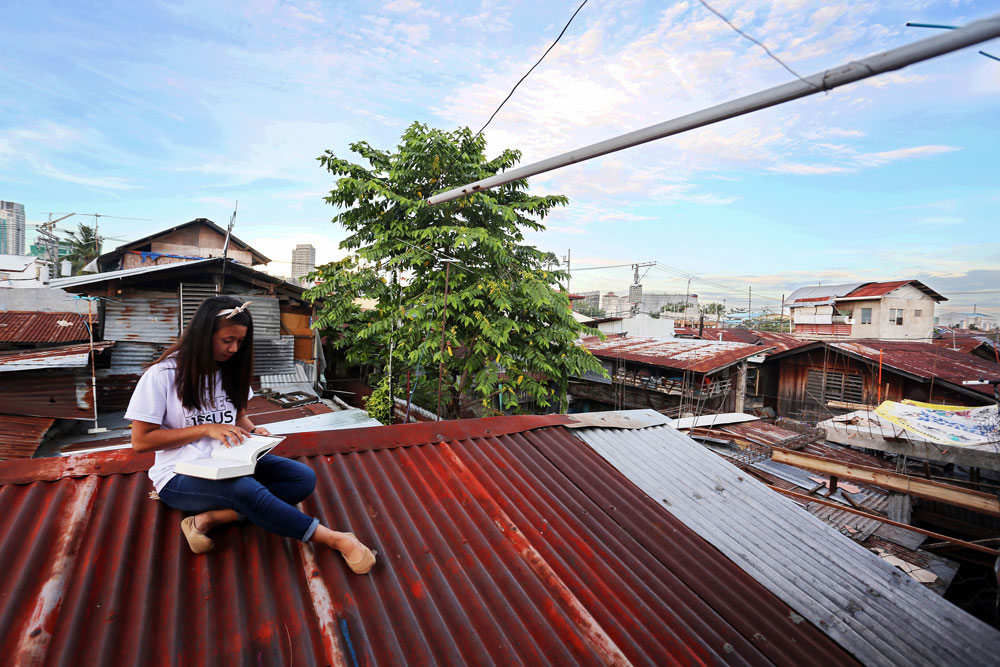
column 303, row 260
column 12, row 228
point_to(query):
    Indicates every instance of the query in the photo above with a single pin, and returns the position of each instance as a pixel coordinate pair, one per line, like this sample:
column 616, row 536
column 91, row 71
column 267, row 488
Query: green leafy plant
column 505, row 325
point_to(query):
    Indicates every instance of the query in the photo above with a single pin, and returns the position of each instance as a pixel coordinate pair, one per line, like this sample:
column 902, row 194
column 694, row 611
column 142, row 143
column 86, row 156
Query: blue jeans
column 267, row 498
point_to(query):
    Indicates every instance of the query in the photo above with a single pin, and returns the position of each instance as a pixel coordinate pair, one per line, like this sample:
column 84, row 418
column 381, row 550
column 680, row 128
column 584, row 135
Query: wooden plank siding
column 800, row 400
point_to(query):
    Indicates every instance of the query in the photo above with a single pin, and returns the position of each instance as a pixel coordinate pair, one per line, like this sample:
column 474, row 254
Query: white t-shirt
column 155, row 401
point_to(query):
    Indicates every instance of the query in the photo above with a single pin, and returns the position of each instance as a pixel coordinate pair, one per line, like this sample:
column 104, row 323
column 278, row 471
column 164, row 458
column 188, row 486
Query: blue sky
column 171, row 111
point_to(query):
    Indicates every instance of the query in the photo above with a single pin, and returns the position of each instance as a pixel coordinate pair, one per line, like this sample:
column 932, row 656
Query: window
column 866, row 316
column 896, row 316
column 918, row 313
column 834, row 386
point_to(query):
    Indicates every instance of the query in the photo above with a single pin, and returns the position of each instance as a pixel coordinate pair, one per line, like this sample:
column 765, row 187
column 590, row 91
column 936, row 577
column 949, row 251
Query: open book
column 227, row 462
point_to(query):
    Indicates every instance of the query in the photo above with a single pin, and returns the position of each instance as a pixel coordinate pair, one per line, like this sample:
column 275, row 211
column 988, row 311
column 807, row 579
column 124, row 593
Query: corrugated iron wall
column 140, row 317
column 273, row 356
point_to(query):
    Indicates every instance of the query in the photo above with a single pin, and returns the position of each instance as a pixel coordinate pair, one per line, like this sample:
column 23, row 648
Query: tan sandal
column 365, row 563
column 199, row 542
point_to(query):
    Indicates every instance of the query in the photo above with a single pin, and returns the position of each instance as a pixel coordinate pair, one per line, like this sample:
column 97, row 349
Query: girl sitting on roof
column 192, row 400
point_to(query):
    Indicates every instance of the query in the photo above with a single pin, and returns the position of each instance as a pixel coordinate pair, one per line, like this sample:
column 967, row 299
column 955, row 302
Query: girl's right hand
column 229, row 435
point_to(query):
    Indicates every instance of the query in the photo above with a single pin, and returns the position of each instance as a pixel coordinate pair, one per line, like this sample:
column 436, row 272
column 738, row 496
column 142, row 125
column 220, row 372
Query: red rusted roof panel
column 50, row 393
column 700, row 356
column 64, row 356
column 927, row 361
column 514, row 548
column 876, row 289
column 36, row 327
column 20, row 436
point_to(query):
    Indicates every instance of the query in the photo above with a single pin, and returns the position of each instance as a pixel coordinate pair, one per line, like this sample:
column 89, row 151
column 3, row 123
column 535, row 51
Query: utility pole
column 51, row 243
column 749, row 302
column 687, row 293
column 566, row 261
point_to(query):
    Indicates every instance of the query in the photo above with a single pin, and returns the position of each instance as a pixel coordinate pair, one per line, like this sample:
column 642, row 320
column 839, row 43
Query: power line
column 533, row 67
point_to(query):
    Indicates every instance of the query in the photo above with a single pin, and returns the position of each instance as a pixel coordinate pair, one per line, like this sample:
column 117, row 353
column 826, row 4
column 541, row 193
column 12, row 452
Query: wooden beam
column 914, row 486
column 943, row 538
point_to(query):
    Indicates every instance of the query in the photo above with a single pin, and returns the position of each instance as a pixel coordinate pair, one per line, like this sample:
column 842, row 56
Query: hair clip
column 230, row 313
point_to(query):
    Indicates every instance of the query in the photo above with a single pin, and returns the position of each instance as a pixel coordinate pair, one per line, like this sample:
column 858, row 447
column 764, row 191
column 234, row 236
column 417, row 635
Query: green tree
column 713, row 308
column 590, row 311
column 505, row 327
column 85, row 246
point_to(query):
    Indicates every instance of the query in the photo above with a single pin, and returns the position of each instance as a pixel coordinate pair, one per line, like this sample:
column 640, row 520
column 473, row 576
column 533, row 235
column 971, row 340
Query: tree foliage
column 590, row 310
column 85, row 246
column 506, row 327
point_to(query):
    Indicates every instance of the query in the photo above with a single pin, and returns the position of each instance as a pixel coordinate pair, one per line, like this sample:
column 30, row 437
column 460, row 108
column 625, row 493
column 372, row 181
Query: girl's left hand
column 259, row 430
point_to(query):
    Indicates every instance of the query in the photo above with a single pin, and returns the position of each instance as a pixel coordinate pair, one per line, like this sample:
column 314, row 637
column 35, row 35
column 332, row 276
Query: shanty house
column 672, row 376
column 197, row 239
column 827, row 378
column 903, row 309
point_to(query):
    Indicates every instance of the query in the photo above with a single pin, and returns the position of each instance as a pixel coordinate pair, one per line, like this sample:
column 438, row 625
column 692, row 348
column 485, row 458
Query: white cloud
column 807, row 169
column 885, row 157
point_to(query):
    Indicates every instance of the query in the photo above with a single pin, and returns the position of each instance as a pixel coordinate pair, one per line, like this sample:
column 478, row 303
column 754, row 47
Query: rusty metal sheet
column 52, row 393
column 509, row 548
column 67, row 356
column 699, row 356
column 37, row 327
column 20, row 436
column 926, row 361
column 141, row 318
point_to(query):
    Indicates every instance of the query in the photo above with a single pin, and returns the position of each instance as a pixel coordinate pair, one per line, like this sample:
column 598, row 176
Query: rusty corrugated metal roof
column 20, row 436
column 700, row 356
column 500, row 542
column 778, row 340
column 926, row 361
column 36, row 327
column 881, row 289
column 52, row 393
column 65, row 356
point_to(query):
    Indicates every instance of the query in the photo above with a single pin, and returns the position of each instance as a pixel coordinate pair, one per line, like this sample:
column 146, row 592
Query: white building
column 12, row 228
column 899, row 310
column 303, row 260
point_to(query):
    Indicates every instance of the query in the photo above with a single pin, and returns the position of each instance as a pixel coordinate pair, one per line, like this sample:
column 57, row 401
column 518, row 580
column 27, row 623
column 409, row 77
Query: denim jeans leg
column 246, row 496
column 289, row 480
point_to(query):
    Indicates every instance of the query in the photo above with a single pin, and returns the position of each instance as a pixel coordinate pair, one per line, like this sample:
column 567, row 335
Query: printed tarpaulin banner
column 944, row 424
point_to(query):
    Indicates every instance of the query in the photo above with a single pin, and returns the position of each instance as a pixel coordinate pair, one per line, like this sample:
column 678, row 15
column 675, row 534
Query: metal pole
column 887, row 61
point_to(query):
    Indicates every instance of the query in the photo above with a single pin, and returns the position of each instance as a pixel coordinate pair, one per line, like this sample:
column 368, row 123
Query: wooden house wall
column 795, row 401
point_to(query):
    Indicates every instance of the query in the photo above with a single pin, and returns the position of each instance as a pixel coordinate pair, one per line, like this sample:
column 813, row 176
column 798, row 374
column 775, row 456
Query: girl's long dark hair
column 196, row 362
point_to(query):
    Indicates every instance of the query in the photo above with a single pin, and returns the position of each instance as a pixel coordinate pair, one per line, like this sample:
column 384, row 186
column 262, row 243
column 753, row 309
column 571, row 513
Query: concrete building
column 980, row 321
column 12, row 228
column 303, row 260
column 898, row 310
column 614, row 305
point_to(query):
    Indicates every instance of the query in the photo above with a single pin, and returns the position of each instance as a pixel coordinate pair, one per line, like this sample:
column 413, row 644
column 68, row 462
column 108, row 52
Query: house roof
column 258, row 258
column 170, row 272
column 20, row 436
column 871, row 290
column 825, row 295
column 700, row 356
column 514, row 540
column 922, row 361
column 64, row 356
column 819, row 295
column 33, row 327
column 779, row 341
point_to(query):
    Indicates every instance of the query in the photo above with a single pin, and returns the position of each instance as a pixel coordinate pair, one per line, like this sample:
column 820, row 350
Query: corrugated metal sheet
column 926, row 361
column 140, row 318
column 191, row 296
column 815, row 295
column 700, row 356
column 127, row 357
column 878, row 613
column 497, row 545
column 876, row 289
column 20, row 436
column 33, row 327
column 266, row 318
column 274, row 357
column 66, row 356
column 97, row 278
column 50, row 393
